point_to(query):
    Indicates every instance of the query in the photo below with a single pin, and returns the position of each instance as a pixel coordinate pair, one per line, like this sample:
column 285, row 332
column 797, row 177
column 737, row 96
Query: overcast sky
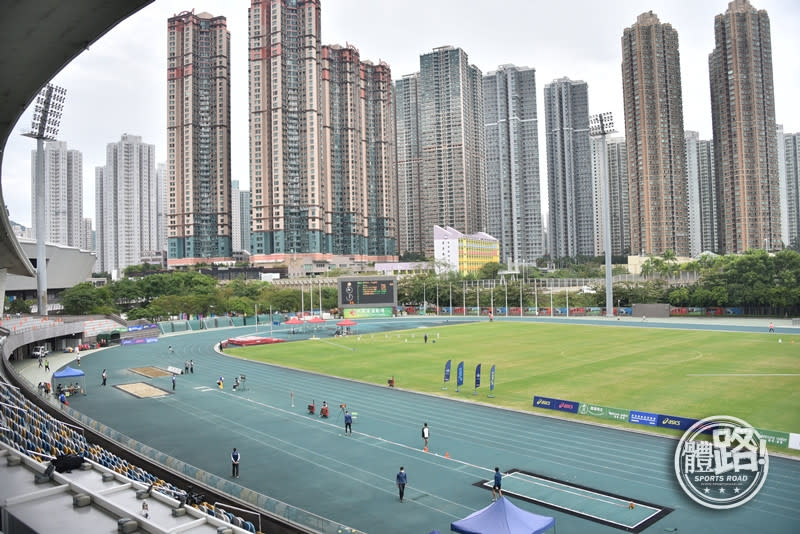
column 119, row 85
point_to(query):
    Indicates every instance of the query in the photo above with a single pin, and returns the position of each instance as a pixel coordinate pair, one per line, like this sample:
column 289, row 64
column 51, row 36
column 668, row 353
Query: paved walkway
column 30, row 370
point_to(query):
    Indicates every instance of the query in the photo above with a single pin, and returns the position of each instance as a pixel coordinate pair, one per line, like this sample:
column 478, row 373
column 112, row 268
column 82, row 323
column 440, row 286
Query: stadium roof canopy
column 37, row 39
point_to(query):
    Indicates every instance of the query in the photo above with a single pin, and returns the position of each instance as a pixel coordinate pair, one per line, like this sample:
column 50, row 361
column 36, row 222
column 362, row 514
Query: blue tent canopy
column 502, row 517
column 68, row 372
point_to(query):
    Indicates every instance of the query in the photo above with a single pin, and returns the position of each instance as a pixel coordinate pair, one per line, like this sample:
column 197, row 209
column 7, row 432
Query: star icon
column 707, row 490
column 736, row 490
column 722, row 490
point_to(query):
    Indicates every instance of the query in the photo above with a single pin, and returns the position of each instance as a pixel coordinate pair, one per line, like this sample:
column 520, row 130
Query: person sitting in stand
column 323, row 412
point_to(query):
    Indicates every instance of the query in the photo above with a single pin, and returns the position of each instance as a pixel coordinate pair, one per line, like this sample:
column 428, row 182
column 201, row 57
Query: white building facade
column 126, row 201
column 63, row 175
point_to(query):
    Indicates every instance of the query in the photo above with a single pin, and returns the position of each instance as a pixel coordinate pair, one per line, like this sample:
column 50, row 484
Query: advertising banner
column 643, row 418
column 460, row 374
column 675, row 422
column 477, row 376
column 138, row 341
column 447, row 371
column 555, row 404
column 794, row 441
column 774, row 439
column 357, row 313
column 603, row 412
column 491, row 379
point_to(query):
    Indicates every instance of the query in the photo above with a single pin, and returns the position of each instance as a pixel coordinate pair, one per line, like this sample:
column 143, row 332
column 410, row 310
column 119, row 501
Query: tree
column 489, row 271
column 84, row 299
column 412, row 256
column 125, row 290
column 18, row 305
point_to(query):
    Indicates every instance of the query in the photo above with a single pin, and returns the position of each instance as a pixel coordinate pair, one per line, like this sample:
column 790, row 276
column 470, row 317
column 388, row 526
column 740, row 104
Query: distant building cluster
column 347, row 163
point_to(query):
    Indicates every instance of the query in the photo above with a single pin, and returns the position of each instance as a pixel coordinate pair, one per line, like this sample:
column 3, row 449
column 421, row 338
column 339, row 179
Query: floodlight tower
column 601, row 125
column 46, row 120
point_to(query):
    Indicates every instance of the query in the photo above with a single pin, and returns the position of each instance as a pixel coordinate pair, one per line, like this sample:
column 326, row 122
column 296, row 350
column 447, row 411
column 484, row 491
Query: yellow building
column 454, row 251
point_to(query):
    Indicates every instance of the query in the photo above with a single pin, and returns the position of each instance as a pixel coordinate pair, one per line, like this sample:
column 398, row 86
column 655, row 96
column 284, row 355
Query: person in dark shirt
column 402, row 480
column 235, row 456
column 348, row 423
column 496, row 491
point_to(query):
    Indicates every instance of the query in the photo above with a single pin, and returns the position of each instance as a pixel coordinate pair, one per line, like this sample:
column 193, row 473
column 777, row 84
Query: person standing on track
column 173, row 382
column 348, row 423
column 498, row 478
column 191, row 366
column 402, row 480
column 426, row 434
column 235, row 456
column 105, row 377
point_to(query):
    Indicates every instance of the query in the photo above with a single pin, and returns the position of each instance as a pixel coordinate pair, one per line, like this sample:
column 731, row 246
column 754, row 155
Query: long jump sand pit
column 150, row 371
column 142, row 390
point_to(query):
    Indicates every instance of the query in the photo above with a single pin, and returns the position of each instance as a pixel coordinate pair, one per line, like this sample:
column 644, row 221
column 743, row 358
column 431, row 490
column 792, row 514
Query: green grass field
column 652, row 370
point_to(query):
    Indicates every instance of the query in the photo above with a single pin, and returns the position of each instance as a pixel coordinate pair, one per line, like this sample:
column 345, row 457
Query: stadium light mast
column 44, row 126
column 601, row 125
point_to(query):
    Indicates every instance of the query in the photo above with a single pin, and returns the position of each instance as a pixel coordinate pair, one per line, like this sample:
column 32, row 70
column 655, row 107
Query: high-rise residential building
column 691, row 141
column 451, row 184
column 240, row 220
column 198, row 139
column 569, row 172
column 63, row 189
column 792, row 159
column 162, row 207
column 783, row 192
column 358, row 152
column 514, row 211
column 743, row 122
column 322, row 171
column 651, row 84
column 87, row 234
column 707, row 181
column 617, row 160
column 126, row 193
column 409, row 163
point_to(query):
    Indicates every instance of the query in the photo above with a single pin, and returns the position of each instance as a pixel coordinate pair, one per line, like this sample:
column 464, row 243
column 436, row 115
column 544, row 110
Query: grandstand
column 110, row 486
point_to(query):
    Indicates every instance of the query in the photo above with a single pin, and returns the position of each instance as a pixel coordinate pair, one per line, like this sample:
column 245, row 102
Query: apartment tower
column 651, row 83
column 512, row 163
column 707, row 183
column 569, row 172
column 240, row 220
column 617, row 159
column 743, row 122
column 322, row 169
column 63, row 189
column 126, row 198
column 409, row 163
column 359, row 155
column 691, row 141
column 198, row 139
column 452, row 184
column 792, row 158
